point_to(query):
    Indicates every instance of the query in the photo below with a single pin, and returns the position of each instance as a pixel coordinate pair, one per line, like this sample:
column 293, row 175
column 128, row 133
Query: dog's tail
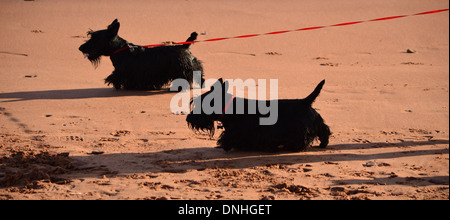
column 191, row 38
column 310, row 99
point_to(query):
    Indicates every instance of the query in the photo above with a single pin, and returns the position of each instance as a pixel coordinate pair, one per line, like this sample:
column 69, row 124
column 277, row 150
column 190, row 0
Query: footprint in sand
column 74, row 138
column 412, row 63
column 162, row 132
column 359, row 140
column 330, row 64
column 419, row 131
column 37, row 31
column 120, row 133
column 274, row 53
column 109, row 139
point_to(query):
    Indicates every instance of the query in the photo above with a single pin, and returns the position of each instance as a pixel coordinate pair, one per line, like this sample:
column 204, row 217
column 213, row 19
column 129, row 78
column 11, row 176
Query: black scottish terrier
column 298, row 124
column 140, row 68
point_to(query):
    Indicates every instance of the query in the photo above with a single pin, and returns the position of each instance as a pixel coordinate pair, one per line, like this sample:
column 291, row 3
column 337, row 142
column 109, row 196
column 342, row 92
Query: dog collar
column 121, row 49
column 128, row 46
column 227, row 106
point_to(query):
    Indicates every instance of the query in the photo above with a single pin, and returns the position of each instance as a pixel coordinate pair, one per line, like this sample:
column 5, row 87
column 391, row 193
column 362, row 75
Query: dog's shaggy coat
column 140, row 68
column 297, row 127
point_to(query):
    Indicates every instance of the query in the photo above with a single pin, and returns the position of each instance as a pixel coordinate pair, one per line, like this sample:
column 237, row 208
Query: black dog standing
column 137, row 67
column 297, row 126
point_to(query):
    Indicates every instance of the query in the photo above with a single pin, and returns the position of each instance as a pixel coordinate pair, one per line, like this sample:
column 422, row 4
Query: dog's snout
column 82, row 48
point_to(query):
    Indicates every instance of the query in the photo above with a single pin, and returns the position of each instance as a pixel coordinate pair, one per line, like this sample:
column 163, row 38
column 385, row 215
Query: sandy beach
column 64, row 134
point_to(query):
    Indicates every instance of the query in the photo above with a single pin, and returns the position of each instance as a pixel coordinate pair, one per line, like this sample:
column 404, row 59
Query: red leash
column 282, row 32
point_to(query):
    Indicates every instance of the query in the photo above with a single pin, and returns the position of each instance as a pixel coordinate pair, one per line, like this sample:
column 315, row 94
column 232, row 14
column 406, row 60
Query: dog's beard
column 201, row 125
column 94, row 59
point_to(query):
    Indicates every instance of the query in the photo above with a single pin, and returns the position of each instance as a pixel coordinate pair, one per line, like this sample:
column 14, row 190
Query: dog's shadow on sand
column 200, row 159
column 77, row 94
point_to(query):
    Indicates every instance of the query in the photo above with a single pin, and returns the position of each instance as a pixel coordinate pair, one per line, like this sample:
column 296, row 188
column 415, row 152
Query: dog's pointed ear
column 113, row 28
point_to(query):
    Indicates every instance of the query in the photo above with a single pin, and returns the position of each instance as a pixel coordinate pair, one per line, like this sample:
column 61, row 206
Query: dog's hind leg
column 294, row 147
column 298, row 143
column 324, row 135
column 197, row 66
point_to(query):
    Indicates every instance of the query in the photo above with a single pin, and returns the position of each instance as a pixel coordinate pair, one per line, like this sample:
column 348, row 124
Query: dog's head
column 208, row 108
column 101, row 43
